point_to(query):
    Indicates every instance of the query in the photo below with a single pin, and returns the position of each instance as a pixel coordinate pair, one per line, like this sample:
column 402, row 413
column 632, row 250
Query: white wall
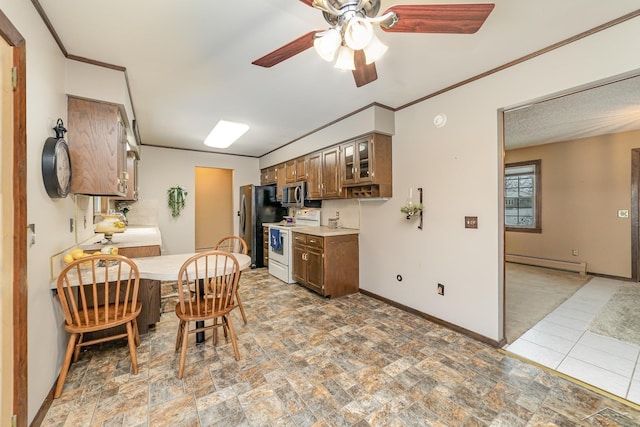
column 162, row 168
column 82, row 78
column 459, row 168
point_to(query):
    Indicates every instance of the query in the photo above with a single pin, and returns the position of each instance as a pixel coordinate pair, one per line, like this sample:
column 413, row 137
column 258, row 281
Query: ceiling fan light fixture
column 374, row 50
column 225, row 133
column 345, row 59
column 358, row 33
column 327, row 43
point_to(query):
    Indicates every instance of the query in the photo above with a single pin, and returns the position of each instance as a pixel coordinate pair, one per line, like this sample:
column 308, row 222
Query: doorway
column 213, row 206
column 585, row 138
column 592, row 217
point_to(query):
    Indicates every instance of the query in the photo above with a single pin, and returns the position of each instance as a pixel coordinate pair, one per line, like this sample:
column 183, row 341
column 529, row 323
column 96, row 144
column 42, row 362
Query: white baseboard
column 578, row 267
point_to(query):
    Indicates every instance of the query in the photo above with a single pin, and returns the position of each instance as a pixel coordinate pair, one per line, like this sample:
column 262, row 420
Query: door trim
column 635, row 215
column 20, row 381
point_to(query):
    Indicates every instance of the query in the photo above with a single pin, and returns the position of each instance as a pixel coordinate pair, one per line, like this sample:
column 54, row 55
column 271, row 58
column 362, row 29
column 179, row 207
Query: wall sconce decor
column 413, row 209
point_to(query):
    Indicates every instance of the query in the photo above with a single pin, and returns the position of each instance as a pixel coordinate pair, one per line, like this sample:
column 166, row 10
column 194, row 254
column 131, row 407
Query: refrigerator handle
column 243, row 214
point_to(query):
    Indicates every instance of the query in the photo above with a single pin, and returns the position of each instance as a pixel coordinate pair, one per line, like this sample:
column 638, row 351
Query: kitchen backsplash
column 349, row 210
column 143, row 212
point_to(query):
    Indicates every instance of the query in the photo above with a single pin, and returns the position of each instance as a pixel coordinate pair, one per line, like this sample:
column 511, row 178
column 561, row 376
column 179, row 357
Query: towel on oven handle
column 274, row 236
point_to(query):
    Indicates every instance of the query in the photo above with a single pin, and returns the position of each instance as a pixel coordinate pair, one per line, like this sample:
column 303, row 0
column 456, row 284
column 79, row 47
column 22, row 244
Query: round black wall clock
column 56, row 164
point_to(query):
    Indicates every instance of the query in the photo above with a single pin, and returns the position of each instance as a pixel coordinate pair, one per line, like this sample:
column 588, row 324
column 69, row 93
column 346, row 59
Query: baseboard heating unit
column 578, row 267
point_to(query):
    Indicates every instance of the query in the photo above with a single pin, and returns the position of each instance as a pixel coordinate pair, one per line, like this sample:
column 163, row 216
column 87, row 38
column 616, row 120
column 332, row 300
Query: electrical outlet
column 574, row 252
column 440, row 289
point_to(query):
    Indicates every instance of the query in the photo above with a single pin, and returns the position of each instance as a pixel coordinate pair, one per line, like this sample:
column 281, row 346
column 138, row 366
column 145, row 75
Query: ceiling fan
column 351, row 42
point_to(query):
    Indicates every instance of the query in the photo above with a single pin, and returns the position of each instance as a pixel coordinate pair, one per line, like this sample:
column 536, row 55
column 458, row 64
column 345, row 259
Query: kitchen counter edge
column 324, row 231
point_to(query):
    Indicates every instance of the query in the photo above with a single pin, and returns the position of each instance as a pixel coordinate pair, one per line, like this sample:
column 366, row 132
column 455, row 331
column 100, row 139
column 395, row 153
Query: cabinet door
column 123, row 173
column 265, row 246
column 364, row 168
column 272, row 177
column 290, row 168
column 97, row 145
column 264, row 176
column 331, row 185
column 301, row 169
column 299, row 264
column 132, row 178
column 314, row 176
column 348, row 164
column 280, row 180
column 315, row 269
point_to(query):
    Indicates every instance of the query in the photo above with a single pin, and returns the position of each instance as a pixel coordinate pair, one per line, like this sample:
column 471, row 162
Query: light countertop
column 133, row 236
column 324, row 231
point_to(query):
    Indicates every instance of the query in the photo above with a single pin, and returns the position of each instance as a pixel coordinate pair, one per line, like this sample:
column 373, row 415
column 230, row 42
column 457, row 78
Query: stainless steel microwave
column 295, row 196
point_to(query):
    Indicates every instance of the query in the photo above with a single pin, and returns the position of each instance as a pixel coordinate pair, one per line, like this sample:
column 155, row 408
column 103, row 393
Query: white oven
column 281, row 244
column 280, row 256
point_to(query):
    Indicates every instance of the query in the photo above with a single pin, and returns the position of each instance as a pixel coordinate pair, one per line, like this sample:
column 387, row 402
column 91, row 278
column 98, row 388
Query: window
column 522, row 196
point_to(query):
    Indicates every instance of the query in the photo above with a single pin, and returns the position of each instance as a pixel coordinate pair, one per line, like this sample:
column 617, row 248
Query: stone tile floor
column 307, row 361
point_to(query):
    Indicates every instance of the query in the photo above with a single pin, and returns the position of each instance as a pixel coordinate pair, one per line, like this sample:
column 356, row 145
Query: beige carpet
column 534, row 292
column 620, row 317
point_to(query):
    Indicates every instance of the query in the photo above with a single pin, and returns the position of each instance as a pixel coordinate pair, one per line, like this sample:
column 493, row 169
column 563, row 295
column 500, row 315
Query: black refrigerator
column 258, row 205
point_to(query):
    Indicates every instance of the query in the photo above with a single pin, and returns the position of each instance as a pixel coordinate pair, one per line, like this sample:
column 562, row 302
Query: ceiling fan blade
column 307, row 2
column 364, row 73
column 440, row 18
column 290, row 49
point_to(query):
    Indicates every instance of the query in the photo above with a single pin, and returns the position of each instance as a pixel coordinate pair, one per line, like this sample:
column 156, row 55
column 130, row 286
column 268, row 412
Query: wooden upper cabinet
column 366, row 166
column 314, row 176
column 132, row 178
column 268, row 176
column 280, row 180
column 331, row 174
column 360, row 168
column 98, row 147
column 296, row 170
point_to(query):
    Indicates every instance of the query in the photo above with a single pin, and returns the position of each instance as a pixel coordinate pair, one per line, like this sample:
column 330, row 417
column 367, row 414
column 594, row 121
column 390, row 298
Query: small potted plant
column 411, row 209
column 176, row 198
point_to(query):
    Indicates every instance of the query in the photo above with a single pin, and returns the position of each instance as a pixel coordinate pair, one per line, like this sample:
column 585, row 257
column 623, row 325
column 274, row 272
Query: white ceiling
column 189, row 63
column 603, row 109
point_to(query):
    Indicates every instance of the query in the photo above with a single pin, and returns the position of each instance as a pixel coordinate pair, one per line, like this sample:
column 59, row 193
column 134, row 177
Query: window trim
column 537, row 212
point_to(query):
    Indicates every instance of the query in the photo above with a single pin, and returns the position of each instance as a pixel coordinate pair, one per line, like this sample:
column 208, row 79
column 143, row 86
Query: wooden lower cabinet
column 265, row 246
column 327, row 265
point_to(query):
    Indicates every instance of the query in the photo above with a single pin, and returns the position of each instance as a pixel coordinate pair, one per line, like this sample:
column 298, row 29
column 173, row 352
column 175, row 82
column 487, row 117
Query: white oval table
column 166, row 267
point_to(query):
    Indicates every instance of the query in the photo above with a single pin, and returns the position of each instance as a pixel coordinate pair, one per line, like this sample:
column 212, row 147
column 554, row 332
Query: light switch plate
column 470, row 222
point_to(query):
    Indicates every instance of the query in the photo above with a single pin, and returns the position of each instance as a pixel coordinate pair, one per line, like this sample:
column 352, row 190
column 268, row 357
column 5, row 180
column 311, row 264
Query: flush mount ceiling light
column 225, row 133
column 351, row 40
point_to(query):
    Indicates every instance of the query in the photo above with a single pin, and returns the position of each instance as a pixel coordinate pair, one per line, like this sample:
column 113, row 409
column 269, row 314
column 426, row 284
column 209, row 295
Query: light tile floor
column 307, row 361
column 562, row 341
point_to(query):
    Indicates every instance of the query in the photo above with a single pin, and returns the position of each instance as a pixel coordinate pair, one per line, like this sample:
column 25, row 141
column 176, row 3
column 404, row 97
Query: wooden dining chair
column 96, row 293
column 207, row 284
column 234, row 244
